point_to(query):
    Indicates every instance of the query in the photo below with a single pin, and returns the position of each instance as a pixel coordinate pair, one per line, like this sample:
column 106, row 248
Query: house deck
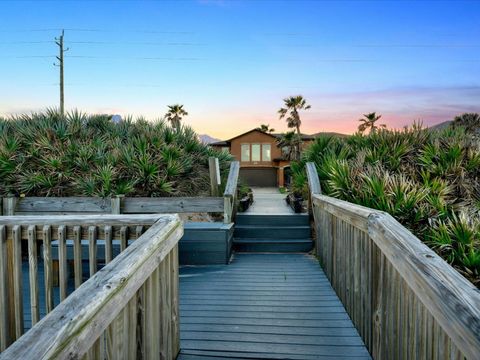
column 264, row 306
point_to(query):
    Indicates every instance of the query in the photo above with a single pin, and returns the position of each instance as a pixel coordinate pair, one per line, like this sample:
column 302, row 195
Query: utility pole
column 59, row 42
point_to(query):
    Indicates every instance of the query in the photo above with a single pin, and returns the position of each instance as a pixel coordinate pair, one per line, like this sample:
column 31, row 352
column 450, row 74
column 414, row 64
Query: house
column 262, row 162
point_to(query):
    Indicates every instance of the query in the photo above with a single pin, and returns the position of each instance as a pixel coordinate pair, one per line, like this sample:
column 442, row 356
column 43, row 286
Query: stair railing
column 405, row 301
column 230, row 193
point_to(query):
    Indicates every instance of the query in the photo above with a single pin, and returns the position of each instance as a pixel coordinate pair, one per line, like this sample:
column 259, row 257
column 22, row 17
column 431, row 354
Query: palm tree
column 292, row 105
column 289, row 143
column 175, row 114
column 265, row 128
column 369, row 122
column 470, row 121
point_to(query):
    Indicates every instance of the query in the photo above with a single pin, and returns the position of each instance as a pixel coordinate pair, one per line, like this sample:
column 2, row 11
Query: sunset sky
column 232, row 62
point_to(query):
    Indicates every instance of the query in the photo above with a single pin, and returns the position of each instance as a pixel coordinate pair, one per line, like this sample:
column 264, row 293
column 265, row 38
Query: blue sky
column 232, row 62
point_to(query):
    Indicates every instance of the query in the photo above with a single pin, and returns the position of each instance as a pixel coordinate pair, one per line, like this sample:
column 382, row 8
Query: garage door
column 266, row 177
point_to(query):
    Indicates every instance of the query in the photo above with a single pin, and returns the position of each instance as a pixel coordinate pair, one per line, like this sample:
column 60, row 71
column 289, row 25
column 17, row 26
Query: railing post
column 230, row 193
column 117, row 203
column 9, row 205
column 215, row 180
column 313, row 185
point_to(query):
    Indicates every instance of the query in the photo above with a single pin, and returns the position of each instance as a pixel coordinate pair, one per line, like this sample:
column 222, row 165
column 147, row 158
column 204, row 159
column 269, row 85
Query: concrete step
column 272, row 219
column 272, row 245
column 272, row 232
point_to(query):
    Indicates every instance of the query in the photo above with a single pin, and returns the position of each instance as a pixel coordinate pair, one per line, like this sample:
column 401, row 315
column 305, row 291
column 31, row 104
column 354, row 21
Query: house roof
column 276, row 136
column 220, row 143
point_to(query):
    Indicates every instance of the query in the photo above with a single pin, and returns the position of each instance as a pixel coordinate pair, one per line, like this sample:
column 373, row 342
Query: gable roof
column 275, row 136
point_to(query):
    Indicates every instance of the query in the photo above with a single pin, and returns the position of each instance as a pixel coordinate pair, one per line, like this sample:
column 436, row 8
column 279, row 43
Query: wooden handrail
column 450, row 298
column 77, row 325
column 230, row 193
column 402, row 297
column 116, row 205
column 313, row 180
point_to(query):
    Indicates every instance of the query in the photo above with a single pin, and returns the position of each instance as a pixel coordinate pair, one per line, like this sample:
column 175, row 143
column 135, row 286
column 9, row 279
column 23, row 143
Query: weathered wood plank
column 84, row 220
column 123, row 238
column 355, row 215
column 77, row 256
column 213, row 169
column 175, row 302
column 33, row 274
column 48, row 267
column 108, row 244
column 231, row 186
column 450, row 298
column 313, row 180
column 73, row 326
column 92, row 249
column 63, row 205
column 18, row 280
column 62, row 261
column 4, row 311
column 153, row 205
column 257, row 323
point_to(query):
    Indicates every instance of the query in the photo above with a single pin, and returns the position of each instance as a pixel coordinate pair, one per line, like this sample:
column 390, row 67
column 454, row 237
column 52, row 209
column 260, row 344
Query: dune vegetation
column 428, row 180
column 89, row 155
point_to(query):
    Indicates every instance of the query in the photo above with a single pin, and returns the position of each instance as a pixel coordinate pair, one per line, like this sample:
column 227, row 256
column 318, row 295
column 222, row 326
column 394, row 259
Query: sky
column 231, row 63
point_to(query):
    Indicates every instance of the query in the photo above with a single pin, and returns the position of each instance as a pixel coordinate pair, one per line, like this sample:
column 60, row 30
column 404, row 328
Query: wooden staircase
column 272, row 233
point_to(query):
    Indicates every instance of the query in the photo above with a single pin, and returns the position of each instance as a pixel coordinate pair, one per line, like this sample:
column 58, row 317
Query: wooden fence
column 128, row 309
column 405, row 301
column 127, row 205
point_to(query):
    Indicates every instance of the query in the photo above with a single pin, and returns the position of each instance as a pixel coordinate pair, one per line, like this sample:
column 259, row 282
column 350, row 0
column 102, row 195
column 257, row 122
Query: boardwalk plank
column 264, row 306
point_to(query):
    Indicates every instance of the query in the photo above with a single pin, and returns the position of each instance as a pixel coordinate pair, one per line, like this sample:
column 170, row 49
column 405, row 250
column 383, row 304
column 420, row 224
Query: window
column 255, row 152
column 245, row 152
column 266, row 152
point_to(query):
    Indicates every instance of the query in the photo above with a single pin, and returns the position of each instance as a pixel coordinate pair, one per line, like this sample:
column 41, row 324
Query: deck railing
column 405, row 301
column 230, row 193
column 127, row 309
column 31, row 205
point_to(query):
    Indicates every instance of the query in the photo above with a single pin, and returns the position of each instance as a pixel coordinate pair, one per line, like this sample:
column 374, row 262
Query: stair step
column 272, row 219
column 272, row 245
column 272, row 232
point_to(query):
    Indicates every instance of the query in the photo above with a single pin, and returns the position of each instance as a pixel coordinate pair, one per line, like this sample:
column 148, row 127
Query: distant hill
column 330, row 133
column 441, row 126
column 207, row 139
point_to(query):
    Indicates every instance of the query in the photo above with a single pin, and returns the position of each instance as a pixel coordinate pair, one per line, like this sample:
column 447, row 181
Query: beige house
column 262, row 162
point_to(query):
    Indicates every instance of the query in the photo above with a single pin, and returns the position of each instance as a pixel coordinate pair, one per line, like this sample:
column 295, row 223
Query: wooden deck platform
column 264, row 306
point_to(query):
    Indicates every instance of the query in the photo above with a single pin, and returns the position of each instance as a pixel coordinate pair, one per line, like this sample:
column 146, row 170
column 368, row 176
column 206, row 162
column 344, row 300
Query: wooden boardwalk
column 264, row 306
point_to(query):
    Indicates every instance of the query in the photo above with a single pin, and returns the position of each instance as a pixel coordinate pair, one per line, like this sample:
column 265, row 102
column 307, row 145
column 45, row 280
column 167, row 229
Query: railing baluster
column 4, row 335
column 123, row 238
column 108, row 244
column 48, row 267
column 77, row 255
column 18, row 280
column 92, row 249
column 33, row 273
column 62, row 261
column 124, row 313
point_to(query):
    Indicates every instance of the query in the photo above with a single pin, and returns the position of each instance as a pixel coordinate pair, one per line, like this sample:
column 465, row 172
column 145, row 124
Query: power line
column 135, row 43
column 101, row 31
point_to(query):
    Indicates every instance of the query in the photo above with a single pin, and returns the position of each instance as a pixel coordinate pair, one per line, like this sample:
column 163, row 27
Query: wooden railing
column 116, row 205
column 13, row 205
column 127, row 309
column 405, row 301
column 230, row 193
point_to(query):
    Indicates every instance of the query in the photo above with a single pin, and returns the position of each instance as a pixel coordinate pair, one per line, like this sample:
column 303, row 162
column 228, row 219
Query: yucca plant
column 428, row 180
column 45, row 154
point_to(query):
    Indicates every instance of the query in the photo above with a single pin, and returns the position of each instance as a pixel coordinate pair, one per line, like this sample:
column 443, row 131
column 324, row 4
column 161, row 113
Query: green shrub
column 89, row 155
column 428, row 180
